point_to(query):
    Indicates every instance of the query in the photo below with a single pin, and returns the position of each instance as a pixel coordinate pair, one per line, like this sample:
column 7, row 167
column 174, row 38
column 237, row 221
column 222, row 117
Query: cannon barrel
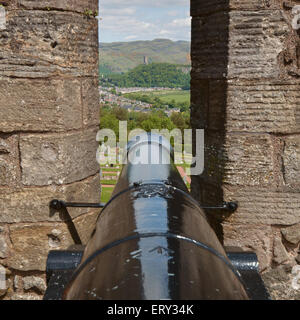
column 152, row 240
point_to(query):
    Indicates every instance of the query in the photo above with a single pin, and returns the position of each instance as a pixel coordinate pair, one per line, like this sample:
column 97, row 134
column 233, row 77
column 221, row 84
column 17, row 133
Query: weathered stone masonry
column 48, row 123
column 246, row 94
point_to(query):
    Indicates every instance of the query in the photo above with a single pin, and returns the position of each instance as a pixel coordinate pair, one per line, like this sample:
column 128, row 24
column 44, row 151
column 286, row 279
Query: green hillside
column 120, row 57
column 153, row 75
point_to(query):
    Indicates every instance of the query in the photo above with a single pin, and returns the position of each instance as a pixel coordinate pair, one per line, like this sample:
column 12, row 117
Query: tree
column 153, row 75
column 120, row 113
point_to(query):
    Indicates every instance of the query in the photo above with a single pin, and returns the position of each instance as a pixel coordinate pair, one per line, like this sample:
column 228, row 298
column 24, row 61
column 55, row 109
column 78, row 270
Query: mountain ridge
column 120, row 57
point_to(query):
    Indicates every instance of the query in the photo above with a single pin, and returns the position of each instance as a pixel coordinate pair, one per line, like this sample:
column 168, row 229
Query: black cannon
column 152, row 241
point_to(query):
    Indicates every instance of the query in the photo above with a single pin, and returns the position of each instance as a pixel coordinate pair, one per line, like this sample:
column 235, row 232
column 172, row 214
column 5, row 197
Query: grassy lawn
column 107, row 191
column 167, row 96
column 109, row 169
column 109, row 182
column 106, row 194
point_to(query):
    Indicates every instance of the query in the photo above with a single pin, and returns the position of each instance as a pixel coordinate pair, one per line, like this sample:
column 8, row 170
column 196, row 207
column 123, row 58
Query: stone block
column 32, row 204
column 58, row 159
column 41, row 105
column 3, row 243
column 9, row 160
column 25, row 296
column 251, row 238
column 10, row 4
column 249, row 160
column 208, row 104
column 279, row 283
column 256, row 206
column 261, row 106
column 35, row 283
column 202, row 7
column 256, row 40
column 67, row 44
column 246, row 106
column 291, row 161
column 4, row 281
column 32, row 242
column 2, row 292
column 199, row 103
column 238, row 44
column 259, row 206
column 217, row 116
column 90, row 101
column 209, row 47
column 3, row 247
column 279, row 251
column 291, row 234
column 239, row 159
column 17, row 281
column 65, row 5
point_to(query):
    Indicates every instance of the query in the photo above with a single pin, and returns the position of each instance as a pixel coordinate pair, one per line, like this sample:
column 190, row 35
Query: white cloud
column 124, row 24
column 172, row 13
column 164, row 32
column 131, row 37
column 123, row 20
column 186, row 22
column 143, row 3
column 118, row 12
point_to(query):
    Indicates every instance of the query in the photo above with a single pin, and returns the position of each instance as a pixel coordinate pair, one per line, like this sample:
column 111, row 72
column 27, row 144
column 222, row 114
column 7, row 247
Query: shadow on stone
column 210, row 38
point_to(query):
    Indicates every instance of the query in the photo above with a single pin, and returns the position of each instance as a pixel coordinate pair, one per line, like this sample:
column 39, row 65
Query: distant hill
column 120, row 57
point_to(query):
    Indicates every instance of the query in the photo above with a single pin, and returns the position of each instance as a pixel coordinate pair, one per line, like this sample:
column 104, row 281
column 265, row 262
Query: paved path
column 105, row 172
column 183, row 174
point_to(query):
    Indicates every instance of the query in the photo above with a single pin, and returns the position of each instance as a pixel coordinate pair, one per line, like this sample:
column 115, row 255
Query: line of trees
column 111, row 115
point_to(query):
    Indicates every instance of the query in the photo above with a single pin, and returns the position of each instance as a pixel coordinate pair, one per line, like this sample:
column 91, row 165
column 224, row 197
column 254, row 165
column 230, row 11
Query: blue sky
column 130, row 20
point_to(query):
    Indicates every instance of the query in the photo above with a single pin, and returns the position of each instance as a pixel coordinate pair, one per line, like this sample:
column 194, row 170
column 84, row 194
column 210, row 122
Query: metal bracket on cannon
column 62, row 206
column 59, row 204
column 228, row 206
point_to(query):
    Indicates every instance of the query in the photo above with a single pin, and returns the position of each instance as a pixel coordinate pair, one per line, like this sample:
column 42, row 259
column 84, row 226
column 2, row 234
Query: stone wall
column 246, row 95
column 49, row 116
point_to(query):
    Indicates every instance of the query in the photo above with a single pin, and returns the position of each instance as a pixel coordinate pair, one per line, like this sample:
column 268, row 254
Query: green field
column 179, row 96
column 107, row 191
column 109, row 182
column 166, row 96
column 106, row 194
column 109, row 169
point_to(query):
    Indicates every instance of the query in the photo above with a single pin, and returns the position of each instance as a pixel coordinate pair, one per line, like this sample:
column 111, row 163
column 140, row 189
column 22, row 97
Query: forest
column 153, row 75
